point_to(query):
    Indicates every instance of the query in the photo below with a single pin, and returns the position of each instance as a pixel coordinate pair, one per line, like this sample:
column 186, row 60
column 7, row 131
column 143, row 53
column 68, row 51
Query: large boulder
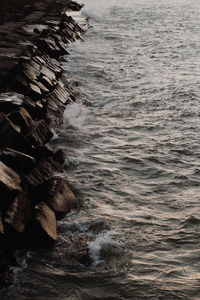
column 9, row 101
column 40, row 134
column 19, row 213
column 9, row 185
column 10, row 136
column 46, row 219
column 22, row 118
column 18, row 161
column 56, row 193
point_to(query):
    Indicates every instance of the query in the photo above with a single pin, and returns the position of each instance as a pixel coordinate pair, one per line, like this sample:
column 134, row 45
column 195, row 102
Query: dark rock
column 41, row 152
column 19, row 213
column 56, row 193
column 10, row 101
column 44, row 170
column 18, row 161
column 22, row 118
column 60, row 156
column 39, row 134
column 54, row 111
column 48, row 73
column 9, row 185
column 46, row 219
column 74, row 248
column 34, row 91
column 10, row 136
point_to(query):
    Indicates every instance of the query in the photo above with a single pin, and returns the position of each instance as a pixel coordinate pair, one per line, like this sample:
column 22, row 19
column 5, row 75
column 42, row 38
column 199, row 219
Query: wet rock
column 56, row 193
column 47, row 220
column 9, row 185
column 44, row 170
column 60, row 156
column 19, row 213
column 10, row 101
column 39, row 134
column 54, row 111
column 18, row 161
column 74, row 247
column 34, row 91
column 22, row 118
column 41, row 152
column 10, row 136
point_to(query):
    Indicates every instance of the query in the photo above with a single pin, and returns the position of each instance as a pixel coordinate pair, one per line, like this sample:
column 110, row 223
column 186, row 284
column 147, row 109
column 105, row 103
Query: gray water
column 133, row 157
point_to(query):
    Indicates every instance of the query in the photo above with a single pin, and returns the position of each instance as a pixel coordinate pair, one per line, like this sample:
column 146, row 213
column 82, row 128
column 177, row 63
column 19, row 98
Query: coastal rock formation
column 33, row 95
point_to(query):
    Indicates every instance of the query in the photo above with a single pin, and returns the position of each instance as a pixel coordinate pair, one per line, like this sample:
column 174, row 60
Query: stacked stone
column 34, row 94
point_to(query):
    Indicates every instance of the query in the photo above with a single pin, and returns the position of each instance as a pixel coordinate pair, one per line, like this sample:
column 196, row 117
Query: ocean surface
column 133, row 157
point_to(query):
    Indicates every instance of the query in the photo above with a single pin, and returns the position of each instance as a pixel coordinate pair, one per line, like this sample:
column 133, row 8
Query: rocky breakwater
column 34, row 92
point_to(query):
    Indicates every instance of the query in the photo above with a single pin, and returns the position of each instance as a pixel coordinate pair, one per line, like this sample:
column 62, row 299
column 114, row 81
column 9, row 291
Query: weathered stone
column 60, row 156
column 10, row 101
column 34, row 91
column 47, row 220
column 43, row 171
column 22, row 118
column 54, row 111
column 41, row 152
column 40, row 134
column 48, row 73
column 56, row 193
column 9, row 185
column 10, row 136
column 61, row 94
column 18, row 161
column 48, row 83
column 19, row 213
column 73, row 248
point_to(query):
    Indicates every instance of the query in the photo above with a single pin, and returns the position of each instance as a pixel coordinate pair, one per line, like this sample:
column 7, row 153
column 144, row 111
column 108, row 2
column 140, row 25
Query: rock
column 54, row 111
column 18, row 161
column 10, row 101
column 9, row 185
column 60, row 156
column 47, row 220
column 10, row 136
column 43, row 171
column 22, row 118
column 73, row 248
column 56, row 193
column 19, row 213
column 48, row 73
column 39, row 134
column 34, row 91
column 41, row 152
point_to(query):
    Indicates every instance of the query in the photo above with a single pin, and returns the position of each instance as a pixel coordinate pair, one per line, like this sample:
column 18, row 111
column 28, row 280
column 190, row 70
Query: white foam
column 102, row 241
column 73, row 160
column 75, row 115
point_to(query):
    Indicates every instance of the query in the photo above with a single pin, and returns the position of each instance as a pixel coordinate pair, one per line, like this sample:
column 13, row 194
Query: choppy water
column 133, row 157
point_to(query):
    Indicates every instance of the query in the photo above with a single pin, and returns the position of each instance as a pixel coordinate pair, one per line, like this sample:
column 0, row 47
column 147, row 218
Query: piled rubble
column 34, row 94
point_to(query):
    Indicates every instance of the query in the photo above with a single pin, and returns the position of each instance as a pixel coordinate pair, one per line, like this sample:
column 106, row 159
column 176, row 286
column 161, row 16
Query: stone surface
column 47, row 220
column 9, row 179
column 9, row 186
column 22, row 118
column 19, row 213
column 44, row 170
column 10, row 136
column 56, row 193
column 18, row 161
column 39, row 134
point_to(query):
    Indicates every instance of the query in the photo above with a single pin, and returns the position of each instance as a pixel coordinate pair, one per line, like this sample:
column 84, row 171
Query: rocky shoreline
column 34, row 92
